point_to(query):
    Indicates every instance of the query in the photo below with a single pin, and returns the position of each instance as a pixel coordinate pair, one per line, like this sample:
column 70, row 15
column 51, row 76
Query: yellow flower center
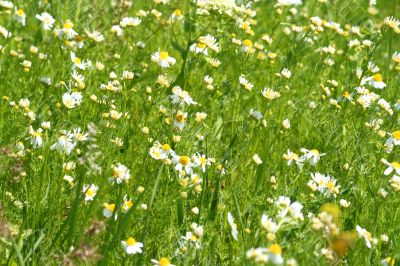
column 316, row 152
column 130, row 241
column 90, row 192
column 164, row 55
column 184, row 160
column 396, row 165
column 330, row 185
column 275, row 249
column 36, row 134
column 77, row 60
column 166, row 147
column 201, row 45
column 377, row 77
column 178, row 12
column 128, row 204
column 20, row 12
column 68, row 25
column 163, row 261
column 248, row 43
column 203, row 160
column 396, row 134
column 109, row 207
column 180, row 117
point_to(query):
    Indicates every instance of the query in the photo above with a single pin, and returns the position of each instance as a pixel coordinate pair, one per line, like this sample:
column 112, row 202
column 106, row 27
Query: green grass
column 46, row 221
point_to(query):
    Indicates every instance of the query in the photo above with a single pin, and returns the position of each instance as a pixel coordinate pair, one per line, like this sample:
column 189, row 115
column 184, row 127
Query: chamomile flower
column 64, row 144
column 376, row 81
column 90, row 191
column 247, row 85
column 233, row 226
column 268, row 224
column 312, row 156
column 180, row 96
column 163, row 261
column 130, row 22
column 247, row 46
column 363, row 233
column 72, row 100
column 20, row 16
column 108, row 209
column 289, row 2
column 182, row 163
column 200, row 160
column 180, row 119
column 394, row 166
column 199, row 48
column 275, row 254
column 36, row 137
column 77, row 62
column 131, row 246
column 163, row 59
column 46, row 19
column 95, row 36
column 270, row 94
column 394, row 138
column 210, row 42
column 120, row 173
column 290, row 157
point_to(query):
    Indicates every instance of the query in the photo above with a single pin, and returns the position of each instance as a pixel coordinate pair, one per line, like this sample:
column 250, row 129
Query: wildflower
column 108, row 209
column 344, row 203
column 180, row 119
column 286, row 124
column 78, row 62
column 210, row 42
column 395, row 182
column 199, row 48
column 245, row 83
column 162, row 262
column 69, row 179
column 392, row 22
column 64, row 144
column 286, row 73
column 270, row 94
column 390, row 167
column 363, row 233
column 312, row 156
column 289, row 2
column 389, row 261
column 375, row 81
column 201, row 161
column 233, row 226
column 120, row 173
column 247, row 46
column 290, row 157
column 268, row 224
column 20, row 16
column 46, row 19
column 71, row 100
column 182, row 163
column 275, row 254
column 163, row 59
column 257, row 160
column 95, row 36
column 90, row 191
column 289, row 209
column 181, row 96
column 129, row 21
column 131, row 246
column 394, row 138
column 36, row 137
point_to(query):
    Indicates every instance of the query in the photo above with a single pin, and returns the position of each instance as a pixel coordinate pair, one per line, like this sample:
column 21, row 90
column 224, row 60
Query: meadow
column 200, row 132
